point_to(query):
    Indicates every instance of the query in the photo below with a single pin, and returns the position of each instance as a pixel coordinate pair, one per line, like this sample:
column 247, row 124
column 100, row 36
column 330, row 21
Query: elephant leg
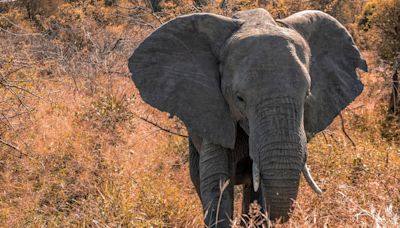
column 214, row 166
column 194, row 167
column 249, row 196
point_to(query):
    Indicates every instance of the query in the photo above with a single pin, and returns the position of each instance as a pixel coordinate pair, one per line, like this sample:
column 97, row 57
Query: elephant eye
column 239, row 98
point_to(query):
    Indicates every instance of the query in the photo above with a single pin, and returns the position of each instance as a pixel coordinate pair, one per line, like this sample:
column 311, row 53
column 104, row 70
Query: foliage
column 82, row 156
column 343, row 10
column 380, row 21
column 380, row 24
column 108, row 112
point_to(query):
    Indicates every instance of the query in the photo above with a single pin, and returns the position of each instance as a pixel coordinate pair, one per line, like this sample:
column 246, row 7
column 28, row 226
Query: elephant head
column 282, row 82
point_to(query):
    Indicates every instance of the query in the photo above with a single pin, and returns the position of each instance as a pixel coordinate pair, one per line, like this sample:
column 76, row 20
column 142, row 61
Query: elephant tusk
column 256, row 177
column 310, row 180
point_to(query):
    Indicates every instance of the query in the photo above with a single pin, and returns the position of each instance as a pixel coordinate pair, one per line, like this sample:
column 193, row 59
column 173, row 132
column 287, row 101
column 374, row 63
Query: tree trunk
column 155, row 5
column 394, row 105
column 201, row 3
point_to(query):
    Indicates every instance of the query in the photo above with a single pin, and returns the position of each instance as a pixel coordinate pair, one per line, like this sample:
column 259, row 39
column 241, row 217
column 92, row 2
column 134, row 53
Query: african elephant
column 251, row 91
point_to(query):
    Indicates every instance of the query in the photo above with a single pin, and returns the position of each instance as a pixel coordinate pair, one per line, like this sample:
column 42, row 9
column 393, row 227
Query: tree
column 42, row 7
column 380, row 21
column 110, row 2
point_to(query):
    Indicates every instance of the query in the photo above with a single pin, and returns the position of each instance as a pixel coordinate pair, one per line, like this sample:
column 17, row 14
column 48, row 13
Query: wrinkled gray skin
column 251, row 92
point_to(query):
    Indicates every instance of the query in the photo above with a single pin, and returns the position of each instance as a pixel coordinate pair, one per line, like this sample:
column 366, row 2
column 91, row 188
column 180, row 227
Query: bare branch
column 10, row 145
column 13, row 116
column 326, row 139
column 20, row 34
column 160, row 127
column 20, row 88
column 395, row 98
column 29, row 109
column 116, row 44
column 7, row 121
column 344, row 131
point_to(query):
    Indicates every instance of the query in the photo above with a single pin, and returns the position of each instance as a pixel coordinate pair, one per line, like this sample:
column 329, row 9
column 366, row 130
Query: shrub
column 380, row 21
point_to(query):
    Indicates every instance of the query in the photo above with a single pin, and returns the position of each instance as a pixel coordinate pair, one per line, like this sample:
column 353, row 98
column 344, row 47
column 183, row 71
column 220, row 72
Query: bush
column 380, row 21
column 43, row 7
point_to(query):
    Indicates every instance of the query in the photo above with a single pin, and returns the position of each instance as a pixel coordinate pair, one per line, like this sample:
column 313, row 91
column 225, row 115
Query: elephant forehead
column 260, row 57
column 266, row 46
column 273, row 55
column 272, row 78
column 261, row 67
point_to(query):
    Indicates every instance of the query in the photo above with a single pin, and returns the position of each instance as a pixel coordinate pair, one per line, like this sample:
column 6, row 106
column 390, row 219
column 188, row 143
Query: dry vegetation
column 75, row 151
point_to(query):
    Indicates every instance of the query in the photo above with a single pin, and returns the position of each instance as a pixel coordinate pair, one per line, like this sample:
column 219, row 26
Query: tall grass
column 84, row 157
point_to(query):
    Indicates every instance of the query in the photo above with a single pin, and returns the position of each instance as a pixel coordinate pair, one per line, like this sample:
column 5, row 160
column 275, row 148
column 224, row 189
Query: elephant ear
column 176, row 70
column 334, row 59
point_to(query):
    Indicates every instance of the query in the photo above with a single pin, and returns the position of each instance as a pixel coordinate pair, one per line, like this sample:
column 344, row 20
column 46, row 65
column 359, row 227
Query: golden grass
column 86, row 159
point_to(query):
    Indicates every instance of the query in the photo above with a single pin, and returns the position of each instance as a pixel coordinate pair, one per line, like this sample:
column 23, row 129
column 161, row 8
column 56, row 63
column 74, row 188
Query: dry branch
column 161, row 127
column 394, row 105
column 10, row 145
column 344, row 131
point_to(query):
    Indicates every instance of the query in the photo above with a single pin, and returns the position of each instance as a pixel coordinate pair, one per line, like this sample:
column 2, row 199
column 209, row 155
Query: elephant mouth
column 279, row 181
column 306, row 173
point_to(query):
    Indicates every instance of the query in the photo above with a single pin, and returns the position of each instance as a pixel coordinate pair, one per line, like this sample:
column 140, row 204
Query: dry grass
column 86, row 159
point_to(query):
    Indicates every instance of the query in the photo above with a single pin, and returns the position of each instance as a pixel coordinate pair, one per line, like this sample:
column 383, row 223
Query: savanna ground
column 79, row 147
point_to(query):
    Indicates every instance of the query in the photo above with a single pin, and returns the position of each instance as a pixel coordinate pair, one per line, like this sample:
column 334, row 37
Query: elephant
column 251, row 91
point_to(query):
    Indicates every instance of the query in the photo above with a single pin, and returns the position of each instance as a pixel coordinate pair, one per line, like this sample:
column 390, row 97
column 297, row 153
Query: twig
column 387, row 158
column 14, row 24
column 21, row 34
column 332, row 135
column 20, row 151
column 10, row 145
column 14, row 71
column 13, row 116
column 20, row 99
column 7, row 121
column 20, row 88
column 5, row 82
column 344, row 131
column 157, row 18
column 393, row 109
column 160, row 127
column 116, row 44
column 323, row 134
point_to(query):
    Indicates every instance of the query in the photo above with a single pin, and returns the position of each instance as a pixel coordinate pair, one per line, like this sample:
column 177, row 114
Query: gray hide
column 335, row 57
column 176, row 70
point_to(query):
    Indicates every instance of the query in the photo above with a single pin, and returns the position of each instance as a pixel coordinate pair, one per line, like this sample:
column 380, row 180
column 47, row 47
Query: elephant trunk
column 280, row 188
column 278, row 149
